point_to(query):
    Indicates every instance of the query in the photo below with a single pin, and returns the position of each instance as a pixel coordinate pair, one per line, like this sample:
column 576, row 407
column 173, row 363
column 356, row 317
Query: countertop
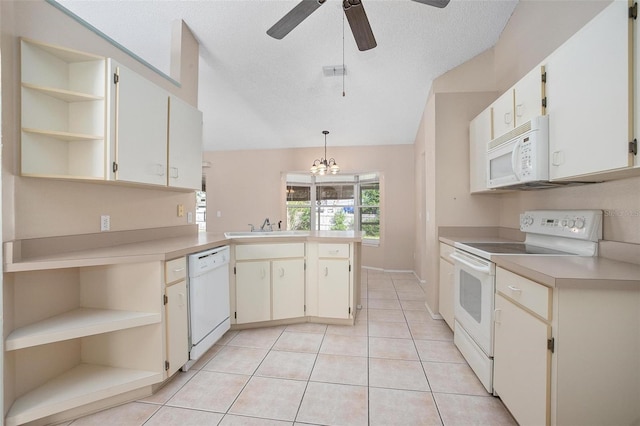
column 163, row 249
column 561, row 271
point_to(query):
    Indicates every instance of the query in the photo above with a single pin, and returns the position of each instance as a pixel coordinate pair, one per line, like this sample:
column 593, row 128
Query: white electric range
column 547, row 233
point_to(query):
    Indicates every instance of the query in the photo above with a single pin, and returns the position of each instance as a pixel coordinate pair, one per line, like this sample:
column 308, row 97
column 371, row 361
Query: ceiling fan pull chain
column 344, row 70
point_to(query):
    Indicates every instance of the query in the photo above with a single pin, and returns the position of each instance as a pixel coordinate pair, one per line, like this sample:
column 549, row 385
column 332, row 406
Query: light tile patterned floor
column 396, row 366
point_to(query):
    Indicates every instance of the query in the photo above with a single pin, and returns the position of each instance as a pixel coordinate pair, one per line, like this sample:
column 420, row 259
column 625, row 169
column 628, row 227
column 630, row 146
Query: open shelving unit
column 80, row 335
column 63, row 112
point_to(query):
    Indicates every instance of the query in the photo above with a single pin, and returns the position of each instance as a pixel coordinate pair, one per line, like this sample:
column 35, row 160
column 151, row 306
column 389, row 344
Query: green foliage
column 339, row 221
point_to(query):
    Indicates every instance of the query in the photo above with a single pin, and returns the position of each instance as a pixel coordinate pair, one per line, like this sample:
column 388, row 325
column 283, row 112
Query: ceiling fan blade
column 435, row 3
column 293, row 18
column 354, row 10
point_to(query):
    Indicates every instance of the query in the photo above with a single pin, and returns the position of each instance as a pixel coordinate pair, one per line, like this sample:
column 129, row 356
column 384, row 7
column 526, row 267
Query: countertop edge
column 156, row 250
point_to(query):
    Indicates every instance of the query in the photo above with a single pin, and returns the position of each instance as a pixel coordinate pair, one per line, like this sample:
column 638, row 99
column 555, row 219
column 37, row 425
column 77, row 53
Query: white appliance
column 548, row 233
column 521, row 157
column 209, row 308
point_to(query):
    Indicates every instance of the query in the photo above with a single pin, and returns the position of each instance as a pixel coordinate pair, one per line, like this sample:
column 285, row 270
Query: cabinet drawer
column 445, row 252
column 175, row 270
column 269, row 251
column 531, row 295
column 333, row 250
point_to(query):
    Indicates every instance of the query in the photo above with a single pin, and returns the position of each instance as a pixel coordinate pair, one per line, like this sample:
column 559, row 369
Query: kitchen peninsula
column 72, row 317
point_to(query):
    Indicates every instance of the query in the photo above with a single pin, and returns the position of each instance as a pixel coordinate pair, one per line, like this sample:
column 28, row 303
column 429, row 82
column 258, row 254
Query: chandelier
column 322, row 166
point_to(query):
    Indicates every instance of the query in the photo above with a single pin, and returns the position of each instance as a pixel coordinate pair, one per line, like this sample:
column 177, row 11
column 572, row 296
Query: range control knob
column 571, row 223
column 580, row 222
column 527, row 221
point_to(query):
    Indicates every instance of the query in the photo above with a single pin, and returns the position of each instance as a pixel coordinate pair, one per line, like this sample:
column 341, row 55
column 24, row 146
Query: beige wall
column 40, row 207
column 247, row 186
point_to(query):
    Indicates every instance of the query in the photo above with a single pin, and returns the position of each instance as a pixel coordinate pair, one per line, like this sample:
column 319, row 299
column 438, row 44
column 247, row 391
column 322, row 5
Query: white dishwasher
column 208, row 300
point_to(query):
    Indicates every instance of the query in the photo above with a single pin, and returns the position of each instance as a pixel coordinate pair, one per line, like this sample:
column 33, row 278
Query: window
column 340, row 203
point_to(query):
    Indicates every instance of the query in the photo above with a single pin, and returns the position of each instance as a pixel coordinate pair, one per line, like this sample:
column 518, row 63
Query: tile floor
column 396, row 366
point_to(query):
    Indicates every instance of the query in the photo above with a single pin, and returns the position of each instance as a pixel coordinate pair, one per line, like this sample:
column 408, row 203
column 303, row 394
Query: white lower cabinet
column 446, row 287
column 253, row 292
column 176, row 315
column 567, row 355
column 521, row 362
column 78, row 336
column 269, row 282
column 332, row 284
column 287, row 288
column 334, row 288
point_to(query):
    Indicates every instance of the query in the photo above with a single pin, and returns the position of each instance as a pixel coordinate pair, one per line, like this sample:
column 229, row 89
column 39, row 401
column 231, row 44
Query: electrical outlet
column 189, row 217
column 180, row 210
column 105, row 223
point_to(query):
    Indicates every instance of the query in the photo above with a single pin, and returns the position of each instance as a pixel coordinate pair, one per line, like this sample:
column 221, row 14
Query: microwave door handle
column 514, row 158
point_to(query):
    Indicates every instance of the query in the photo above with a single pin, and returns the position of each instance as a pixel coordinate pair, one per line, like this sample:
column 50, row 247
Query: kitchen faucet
column 266, row 223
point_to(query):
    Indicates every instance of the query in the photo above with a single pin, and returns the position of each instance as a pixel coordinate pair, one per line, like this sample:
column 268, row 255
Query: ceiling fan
column 354, row 11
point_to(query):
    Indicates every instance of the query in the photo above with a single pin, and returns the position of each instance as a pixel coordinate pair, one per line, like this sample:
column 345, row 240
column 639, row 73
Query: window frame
column 355, row 179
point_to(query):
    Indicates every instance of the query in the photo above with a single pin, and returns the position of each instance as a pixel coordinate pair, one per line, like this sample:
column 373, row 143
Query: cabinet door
column 140, row 128
column 287, row 288
column 333, row 288
column 528, row 94
column 588, row 98
column 445, row 299
column 253, row 292
column 177, row 326
column 185, row 145
column 521, row 363
column 503, row 116
column 479, row 138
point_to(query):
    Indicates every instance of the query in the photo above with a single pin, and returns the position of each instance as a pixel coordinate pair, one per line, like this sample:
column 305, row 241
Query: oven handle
column 471, row 263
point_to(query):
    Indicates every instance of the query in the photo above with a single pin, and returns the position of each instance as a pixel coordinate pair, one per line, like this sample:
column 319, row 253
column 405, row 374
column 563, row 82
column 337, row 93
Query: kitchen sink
column 263, row 234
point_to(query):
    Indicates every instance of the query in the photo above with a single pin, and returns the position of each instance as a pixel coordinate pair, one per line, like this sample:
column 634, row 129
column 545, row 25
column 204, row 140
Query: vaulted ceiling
column 257, row 92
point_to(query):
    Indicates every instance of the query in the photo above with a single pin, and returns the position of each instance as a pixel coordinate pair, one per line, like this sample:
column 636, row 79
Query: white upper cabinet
column 503, row 114
column 588, row 98
column 89, row 117
column 63, row 112
column 139, row 115
column 479, row 137
column 185, row 145
column 529, row 93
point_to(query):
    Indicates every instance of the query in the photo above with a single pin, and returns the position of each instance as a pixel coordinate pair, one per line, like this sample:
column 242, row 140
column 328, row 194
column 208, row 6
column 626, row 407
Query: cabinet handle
column 281, row 271
column 181, row 299
column 178, row 270
column 557, row 158
column 514, row 288
column 519, row 110
column 507, row 118
column 497, row 318
column 326, row 271
column 160, row 169
column 263, row 273
column 174, row 173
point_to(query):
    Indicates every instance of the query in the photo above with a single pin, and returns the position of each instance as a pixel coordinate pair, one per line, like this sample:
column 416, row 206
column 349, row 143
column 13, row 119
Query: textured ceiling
column 258, row 92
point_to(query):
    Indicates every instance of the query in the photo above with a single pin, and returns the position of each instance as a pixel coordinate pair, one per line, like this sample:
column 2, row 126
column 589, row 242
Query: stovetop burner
column 513, row 248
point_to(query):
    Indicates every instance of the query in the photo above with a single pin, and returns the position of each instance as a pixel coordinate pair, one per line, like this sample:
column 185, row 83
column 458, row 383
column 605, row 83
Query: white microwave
column 521, row 160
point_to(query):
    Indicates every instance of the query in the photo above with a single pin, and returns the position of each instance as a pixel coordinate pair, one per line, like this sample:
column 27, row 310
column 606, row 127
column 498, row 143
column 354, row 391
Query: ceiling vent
column 334, row 70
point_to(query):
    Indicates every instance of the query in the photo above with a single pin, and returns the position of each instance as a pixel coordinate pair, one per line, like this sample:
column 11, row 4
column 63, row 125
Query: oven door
column 474, row 286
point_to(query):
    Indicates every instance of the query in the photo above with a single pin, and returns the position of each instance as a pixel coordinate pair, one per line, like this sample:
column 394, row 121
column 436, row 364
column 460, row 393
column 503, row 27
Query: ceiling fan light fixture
column 322, row 166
